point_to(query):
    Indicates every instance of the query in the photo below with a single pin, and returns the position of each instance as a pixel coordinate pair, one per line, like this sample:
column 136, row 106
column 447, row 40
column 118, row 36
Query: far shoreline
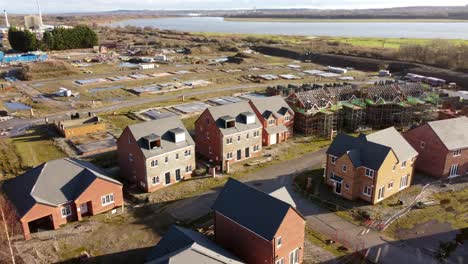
column 344, row 20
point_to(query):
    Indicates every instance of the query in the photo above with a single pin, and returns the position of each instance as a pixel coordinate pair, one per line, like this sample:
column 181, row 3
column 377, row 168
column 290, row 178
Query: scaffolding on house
column 352, row 116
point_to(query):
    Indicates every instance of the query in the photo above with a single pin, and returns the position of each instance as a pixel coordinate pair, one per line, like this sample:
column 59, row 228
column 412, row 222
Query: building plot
column 90, row 81
column 191, row 108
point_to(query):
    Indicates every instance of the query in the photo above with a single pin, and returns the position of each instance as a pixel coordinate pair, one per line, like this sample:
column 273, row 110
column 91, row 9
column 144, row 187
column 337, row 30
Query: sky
column 51, row 6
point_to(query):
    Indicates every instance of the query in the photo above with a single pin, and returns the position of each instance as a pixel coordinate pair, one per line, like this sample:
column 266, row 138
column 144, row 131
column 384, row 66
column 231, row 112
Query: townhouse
column 442, row 147
column 370, row 167
column 61, row 191
column 157, row 153
column 228, row 134
column 258, row 227
column 276, row 117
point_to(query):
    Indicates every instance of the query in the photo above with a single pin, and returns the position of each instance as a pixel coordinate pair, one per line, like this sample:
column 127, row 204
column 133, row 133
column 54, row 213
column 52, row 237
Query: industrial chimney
column 40, row 14
column 7, row 24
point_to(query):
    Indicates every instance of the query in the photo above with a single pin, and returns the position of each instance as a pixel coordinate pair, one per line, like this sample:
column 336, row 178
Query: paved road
column 318, row 218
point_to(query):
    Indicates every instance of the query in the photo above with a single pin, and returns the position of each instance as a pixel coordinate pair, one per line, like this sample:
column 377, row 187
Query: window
column 453, row 170
column 256, row 148
column 403, row 164
column 333, row 159
column 390, row 185
column 166, row 159
column 188, row 168
column 346, row 186
column 294, row 256
column 280, row 261
column 287, row 118
column 279, row 242
column 247, row 136
column 229, row 156
column 271, row 122
column 155, row 180
column 238, row 138
column 177, row 156
column 66, row 211
column 256, row 133
column 381, row 193
column 404, row 181
column 107, row 199
column 394, row 168
column 367, row 190
column 154, row 163
column 422, row 144
column 369, row 173
column 130, row 157
column 345, row 168
column 228, row 141
column 457, row 153
column 188, row 152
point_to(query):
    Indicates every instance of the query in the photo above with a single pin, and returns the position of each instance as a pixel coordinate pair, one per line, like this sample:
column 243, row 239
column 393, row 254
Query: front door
column 84, row 208
column 273, row 139
column 177, row 175
column 168, row 178
column 247, row 152
column 338, row 187
column 239, row 154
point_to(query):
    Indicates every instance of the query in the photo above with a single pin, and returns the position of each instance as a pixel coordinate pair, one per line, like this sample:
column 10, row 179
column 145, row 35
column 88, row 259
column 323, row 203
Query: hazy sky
column 29, row 6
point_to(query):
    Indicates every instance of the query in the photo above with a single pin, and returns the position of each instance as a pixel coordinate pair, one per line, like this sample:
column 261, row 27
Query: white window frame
column 166, row 159
column 229, row 156
column 394, row 167
column 344, row 168
column 67, row 210
column 177, row 156
column 280, row 261
column 153, row 182
column 188, row 152
column 453, row 172
column 390, row 185
column 422, row 144
column 404, row 181
column 457, row 153
column 369, row 189
column 370, row 173
column 130, row 157
column 294, row 256
column 381, row 193
column 279, row 242
column 154, row 163
column 271, row 122
column 403, row 164
column 228, row 141
column 346, row 186
column 333, row 159
column 107, row 199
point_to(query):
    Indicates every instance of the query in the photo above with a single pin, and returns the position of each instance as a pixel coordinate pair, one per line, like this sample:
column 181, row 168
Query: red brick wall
column 207, row 136
column 432, row 158
column 83, row 130
column 245, row 244
column 132, row 171
column 95, row 191
column 292, row 232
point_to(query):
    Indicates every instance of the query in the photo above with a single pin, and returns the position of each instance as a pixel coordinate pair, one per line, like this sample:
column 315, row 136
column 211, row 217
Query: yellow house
column 370, row 167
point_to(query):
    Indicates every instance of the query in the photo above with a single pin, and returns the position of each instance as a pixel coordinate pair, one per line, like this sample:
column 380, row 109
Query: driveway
column 376, row 248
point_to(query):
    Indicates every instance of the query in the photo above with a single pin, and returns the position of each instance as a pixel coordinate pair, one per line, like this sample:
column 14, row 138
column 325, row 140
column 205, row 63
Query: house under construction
column 321, row 110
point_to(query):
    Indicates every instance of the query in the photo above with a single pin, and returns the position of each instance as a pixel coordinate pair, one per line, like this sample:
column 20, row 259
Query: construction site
column 323, row 110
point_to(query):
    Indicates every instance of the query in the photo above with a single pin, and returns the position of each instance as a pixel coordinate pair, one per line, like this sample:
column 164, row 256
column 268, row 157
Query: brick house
column 442, row 147
column 370, row 167
column 61, row 191
column 157, row 153
column 229, row 133
column 258, row 227
column 277, row 119
column 80, row 127
column 181, row 246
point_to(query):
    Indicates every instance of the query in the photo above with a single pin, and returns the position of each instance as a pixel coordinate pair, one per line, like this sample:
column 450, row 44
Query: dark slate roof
column 257, row 211
column 163, row 128
column 182, row 245
column 361, row 151
column 53, row 183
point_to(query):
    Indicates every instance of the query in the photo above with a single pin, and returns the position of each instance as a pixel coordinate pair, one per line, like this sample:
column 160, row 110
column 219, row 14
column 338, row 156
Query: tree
column 8, row 227
column 22, row 40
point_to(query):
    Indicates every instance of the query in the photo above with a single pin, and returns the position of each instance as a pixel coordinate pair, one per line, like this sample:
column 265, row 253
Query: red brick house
column 258, row 227
column 156, row 153
column 442, row 147
column 61, row 191
column 228, row 134
column 277, row 119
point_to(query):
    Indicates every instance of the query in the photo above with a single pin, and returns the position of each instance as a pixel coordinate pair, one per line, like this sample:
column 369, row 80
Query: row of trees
column 57, row 39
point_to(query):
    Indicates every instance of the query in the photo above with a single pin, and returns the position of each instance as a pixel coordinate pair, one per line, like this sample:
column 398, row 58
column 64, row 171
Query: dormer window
column 228, row 121
column 153, row 141
column 231, row 124
column 178, row 134
column 248, row 118
column 155, row 144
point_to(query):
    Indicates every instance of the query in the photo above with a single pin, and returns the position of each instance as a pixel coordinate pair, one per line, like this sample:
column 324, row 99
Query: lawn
column 21, row 153
column 391, row 43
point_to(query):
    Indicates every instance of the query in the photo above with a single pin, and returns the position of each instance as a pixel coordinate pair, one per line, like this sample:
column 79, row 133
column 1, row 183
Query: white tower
column 40, row 13
column 7, row 24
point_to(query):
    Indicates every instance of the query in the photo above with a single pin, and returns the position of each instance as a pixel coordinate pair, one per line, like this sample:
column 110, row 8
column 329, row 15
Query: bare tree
column 8, row 227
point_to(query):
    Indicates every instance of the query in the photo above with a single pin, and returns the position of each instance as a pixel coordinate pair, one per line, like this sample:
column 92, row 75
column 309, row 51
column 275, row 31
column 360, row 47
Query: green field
column 392, row 43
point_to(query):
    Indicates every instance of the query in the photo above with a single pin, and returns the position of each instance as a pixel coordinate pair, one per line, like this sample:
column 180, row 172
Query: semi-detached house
column 228, row 134
column 370, row 167
column 157, row 153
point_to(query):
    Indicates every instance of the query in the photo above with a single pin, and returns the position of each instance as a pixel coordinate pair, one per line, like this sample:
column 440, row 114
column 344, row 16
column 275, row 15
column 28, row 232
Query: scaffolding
column 352, row 117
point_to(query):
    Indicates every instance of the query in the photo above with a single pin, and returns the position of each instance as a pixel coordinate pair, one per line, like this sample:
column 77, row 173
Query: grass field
column 391, row 43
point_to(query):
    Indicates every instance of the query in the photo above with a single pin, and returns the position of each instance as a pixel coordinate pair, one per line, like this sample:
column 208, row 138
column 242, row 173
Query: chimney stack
column 7, row 24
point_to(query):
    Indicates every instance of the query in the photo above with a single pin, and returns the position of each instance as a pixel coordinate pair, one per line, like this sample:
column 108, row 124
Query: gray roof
column 180, row 246
column 271, row 105
column 452, row 132
column 164, row 128
column 391, row 138
column 276, row 129
column 361, row 152
column 233, row 110
column 53, row 183
column 255, row 210
column 284, row 195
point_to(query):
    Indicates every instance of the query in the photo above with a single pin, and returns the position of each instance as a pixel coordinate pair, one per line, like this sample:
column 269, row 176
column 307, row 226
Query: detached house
column 442, row 147
column 157, row 153
column 277, row 119
column 61, row 191
column 370, row 167
column 229, row 133
column 258, row 227
column 181, row 246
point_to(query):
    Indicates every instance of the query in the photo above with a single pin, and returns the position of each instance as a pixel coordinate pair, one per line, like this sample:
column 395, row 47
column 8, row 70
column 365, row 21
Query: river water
column 428, row 30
